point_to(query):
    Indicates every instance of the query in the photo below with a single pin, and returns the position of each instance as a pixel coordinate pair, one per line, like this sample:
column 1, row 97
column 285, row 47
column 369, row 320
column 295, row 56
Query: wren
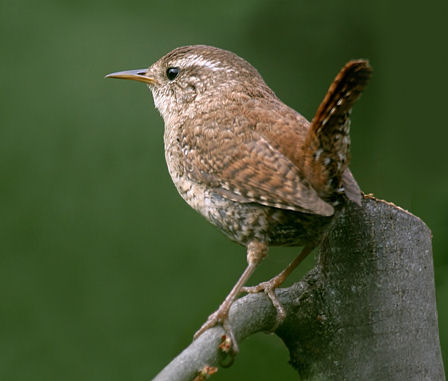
column 251, row 165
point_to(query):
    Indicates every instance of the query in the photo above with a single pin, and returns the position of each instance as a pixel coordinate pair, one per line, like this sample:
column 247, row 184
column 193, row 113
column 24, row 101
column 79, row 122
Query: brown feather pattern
column 238, row 159
column 327, row 146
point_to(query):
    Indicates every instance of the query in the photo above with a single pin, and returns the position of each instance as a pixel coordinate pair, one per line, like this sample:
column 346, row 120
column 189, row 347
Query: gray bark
column 367, row 311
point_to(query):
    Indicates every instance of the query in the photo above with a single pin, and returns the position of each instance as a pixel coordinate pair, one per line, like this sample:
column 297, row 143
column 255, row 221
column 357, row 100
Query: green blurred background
column 105, row 273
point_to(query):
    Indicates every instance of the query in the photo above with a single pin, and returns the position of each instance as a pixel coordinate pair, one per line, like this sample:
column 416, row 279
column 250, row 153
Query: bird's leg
column 256, row 251
column 270, row 286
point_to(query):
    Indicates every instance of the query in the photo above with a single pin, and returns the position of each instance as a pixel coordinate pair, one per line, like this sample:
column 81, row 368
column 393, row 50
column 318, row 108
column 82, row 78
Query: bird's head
column 197, row 79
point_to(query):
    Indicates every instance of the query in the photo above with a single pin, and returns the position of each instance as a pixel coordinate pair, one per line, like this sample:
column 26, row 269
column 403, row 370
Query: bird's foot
column 268, row 288
column 221, row 316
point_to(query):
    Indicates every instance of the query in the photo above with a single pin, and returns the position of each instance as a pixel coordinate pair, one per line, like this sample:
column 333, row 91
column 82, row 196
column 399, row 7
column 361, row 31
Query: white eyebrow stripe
column 195, row 60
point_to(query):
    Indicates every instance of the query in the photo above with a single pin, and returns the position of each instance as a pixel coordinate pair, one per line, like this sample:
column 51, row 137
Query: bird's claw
column 212, row 320
column 268, row 288
column 220, row 317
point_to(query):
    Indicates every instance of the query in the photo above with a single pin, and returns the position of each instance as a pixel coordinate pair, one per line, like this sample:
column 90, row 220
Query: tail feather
column 327, row 152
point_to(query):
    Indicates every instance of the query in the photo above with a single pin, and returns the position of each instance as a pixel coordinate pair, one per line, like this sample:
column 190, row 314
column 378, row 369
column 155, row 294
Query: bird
column 251, row 165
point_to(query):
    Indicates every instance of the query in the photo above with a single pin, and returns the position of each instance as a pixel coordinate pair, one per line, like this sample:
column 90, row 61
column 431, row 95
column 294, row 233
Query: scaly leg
column 270, row 286
column 256, row 251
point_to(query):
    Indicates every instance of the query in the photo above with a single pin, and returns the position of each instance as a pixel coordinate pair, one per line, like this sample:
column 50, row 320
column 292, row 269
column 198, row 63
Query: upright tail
column 327, row 152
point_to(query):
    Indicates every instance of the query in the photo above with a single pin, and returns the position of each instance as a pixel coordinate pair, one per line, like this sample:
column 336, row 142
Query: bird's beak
column 135, row 75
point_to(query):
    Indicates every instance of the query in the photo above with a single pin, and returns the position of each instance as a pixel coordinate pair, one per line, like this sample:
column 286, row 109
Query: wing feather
column 241, row 165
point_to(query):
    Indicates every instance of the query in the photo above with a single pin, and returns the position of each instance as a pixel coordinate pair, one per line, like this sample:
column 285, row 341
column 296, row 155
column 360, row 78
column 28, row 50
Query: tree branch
column 366, row 311
column 248, row 315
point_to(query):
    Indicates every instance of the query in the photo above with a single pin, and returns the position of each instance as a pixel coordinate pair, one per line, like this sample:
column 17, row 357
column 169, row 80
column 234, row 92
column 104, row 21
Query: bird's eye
column 172, row 72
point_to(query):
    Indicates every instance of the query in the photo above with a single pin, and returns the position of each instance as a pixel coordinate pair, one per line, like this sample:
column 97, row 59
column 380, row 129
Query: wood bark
column 366, row 311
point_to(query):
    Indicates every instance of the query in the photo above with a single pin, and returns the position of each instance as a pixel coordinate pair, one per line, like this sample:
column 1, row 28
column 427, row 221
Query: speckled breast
column 245, row 222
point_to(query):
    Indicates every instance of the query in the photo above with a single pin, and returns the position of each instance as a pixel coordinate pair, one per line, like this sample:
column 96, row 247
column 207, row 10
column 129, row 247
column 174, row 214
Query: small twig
column 248, row 315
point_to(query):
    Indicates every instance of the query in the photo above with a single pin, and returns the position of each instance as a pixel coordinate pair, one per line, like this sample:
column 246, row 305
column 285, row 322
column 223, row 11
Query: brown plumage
column 251, row 165
column 327, row 146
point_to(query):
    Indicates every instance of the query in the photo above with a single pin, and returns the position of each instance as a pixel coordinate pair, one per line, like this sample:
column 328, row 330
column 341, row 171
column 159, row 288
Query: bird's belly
column 245, row 222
